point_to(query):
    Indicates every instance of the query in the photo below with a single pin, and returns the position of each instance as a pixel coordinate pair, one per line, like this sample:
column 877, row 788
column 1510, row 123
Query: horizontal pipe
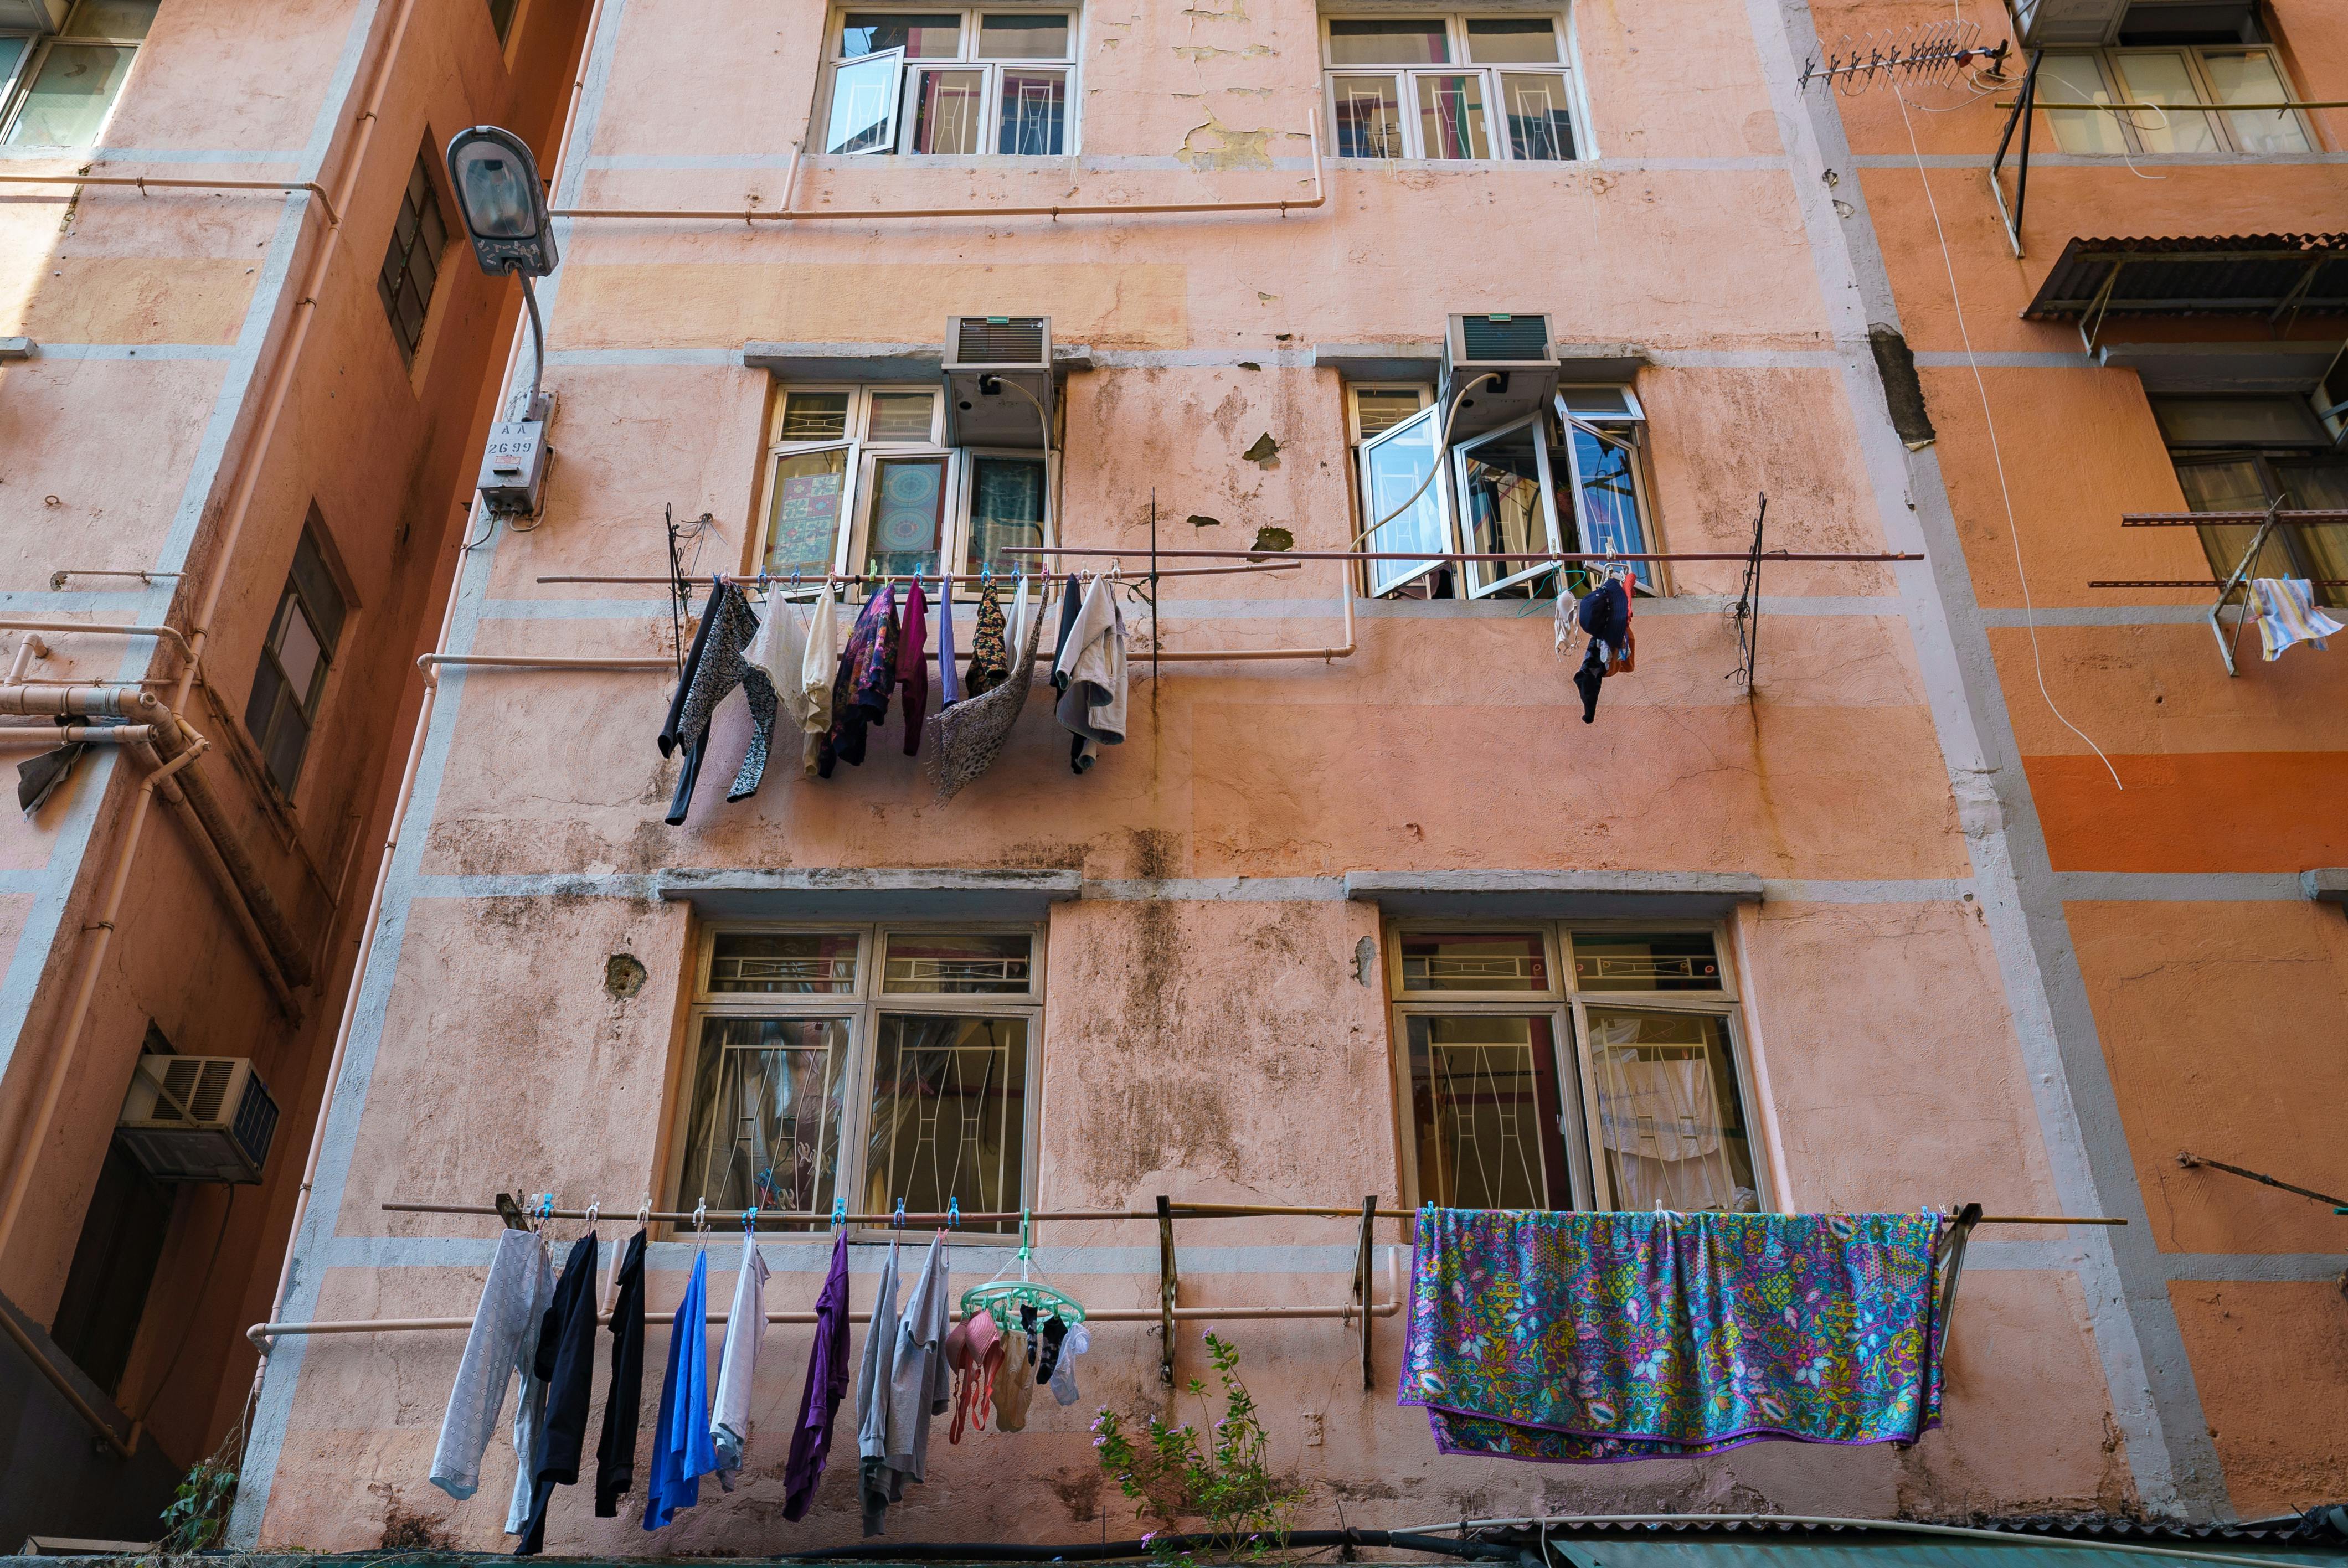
column 2196, row 582
column 67, row 699
column 57, row 578
column 63, row 734
column 146, row 182
column 425, row 661
column 2191, row 109
column 170, row 632
column 1541, row 557
column 1229, row 1546
column 2322, row 517
column 1838, row 1521
column 811, row 583
column 1004, row 1216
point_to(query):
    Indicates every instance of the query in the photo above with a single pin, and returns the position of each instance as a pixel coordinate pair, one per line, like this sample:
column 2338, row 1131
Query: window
column 123, row 1232
column 56, row 92
column 2238, row 455
column 1566, row 481
column 939, row 82
column 860, row 483
column 292, row 675
column 873, row 1065
column 411, row 262
column 502, row 17
column 2190, row 76
column 1439, row 87
column 1522, row 1051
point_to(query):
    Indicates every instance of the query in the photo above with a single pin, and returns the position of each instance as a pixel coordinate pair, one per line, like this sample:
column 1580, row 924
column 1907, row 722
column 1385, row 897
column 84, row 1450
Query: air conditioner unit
column 198, row 1119
column 2048, row 24
column 40, row 15
column 989, row 361
column 1515, row 348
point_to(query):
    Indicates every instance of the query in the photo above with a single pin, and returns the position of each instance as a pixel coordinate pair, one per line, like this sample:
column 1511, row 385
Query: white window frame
column 1566, row 68
column 849, row 548
column 862, row 1007
column 14, row 88
column 2131, row 127
column 1566, row 1008
column 966, row 57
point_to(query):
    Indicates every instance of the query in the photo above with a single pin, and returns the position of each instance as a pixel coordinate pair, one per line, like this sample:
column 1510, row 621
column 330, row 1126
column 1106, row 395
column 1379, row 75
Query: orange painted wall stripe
column 2194, row 811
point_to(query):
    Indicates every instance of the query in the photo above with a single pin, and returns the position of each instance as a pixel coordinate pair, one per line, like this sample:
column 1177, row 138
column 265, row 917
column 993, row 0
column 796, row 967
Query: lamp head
column 503, row 202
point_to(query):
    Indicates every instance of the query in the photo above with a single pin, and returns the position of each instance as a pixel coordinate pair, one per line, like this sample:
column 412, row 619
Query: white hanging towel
column 737, row 1363
column 503, row 1341
column 920, row 1384
column 2287, row 614
column 1063, row 1370
column 818, row 665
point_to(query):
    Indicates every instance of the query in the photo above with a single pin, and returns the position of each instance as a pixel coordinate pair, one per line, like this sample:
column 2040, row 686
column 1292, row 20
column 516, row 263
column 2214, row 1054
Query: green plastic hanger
column 1030, row 1290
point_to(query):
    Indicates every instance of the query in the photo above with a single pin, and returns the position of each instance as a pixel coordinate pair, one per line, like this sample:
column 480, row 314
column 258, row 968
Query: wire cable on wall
column 1997, row 456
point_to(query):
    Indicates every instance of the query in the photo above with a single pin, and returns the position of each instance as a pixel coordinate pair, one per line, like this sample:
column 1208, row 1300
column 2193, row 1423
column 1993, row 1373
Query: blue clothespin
column 838, row 1213
column 953, row 1213
column 750, row 1219
column 545, row 1208
column 897, row 1221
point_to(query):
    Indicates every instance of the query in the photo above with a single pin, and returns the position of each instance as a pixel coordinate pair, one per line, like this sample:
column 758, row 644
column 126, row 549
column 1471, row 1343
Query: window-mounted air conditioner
column 2050, row 24
column 39, row 16
column 198, row 1119
column 1517, row 350
column 991, row 360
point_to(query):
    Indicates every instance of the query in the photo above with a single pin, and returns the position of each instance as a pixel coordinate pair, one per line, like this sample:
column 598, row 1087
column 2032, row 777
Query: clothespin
column 701, row 1217
column 594, row 1209
column 795, row 579
column 897, row 1221
column 985, row 573
column 838, row 1213
column 954, row 1214
column 750, row 1219
column 545, row 1208
column 645, row 1210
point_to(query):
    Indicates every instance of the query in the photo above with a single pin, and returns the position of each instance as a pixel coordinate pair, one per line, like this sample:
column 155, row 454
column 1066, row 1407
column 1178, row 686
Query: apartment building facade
column 1361, row 904
column 241, row 397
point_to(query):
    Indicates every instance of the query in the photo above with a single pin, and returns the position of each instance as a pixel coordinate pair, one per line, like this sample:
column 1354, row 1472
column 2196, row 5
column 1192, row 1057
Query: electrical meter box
column 513, row 466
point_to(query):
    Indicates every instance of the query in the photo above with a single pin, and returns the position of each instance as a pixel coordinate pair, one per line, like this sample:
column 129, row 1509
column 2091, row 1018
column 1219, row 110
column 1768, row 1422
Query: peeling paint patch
column 1265, row 453
column 1197, row 53
column 1237, row 12
column 1228, row 149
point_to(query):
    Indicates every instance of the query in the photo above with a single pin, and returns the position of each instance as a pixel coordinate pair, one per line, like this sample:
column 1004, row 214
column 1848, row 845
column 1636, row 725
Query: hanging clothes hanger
column 1030, row 1290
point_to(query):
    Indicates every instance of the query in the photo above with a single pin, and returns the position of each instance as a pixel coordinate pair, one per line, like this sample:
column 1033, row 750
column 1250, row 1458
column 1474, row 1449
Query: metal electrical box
column 998, row 377
column 513, row 465
column 1516, row 350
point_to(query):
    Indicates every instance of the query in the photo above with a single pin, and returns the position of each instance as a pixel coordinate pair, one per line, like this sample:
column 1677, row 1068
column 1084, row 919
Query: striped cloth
column 2287, row 614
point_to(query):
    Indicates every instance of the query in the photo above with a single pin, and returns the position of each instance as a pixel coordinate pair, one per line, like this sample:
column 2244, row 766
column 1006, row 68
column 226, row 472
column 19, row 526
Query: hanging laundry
column 974, row 1351
column 919, row 1385
column 615, row 1450
column 1015, row 1385
column 948, row 678
column 715, row 668
column 2287, row 614
column 816, row 677
column 1072, row 594
column 737, row 1363
column 867, row 674
column 878, row 1484
column 37, row 778
column 781, row 649
column 1064, row 1372
column 1605, row 613
column 1056, row 1333
column 990, row 654
column 1592, row 1337
column 965, row 738
column 913, row 666
column 1091, row 674
column 827, row 1384
column 566, row 1365
column 502, row 1343
column 1014, row 632
column 681, row 1451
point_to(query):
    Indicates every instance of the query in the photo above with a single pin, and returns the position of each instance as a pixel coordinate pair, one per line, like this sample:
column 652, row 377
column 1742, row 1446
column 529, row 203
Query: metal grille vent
column 200, row 1085
column 256, row 1119
column 1500, row 339
column 1013, row 339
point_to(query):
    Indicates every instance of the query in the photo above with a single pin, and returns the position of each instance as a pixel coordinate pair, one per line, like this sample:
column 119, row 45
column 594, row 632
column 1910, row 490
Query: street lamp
column 504, row 208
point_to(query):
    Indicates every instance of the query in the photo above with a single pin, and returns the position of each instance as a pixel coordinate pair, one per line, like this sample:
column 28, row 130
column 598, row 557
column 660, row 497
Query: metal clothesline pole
column 1180, row 1210
column 809, row 584
column 1545, row 557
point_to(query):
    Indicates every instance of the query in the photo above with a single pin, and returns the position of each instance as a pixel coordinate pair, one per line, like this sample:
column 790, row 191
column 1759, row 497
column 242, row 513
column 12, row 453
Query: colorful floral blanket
column 1595, row 1337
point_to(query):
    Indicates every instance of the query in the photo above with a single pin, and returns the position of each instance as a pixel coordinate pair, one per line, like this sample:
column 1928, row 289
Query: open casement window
column 1602, row 498
column 859, row 483
column 1449, row 86
column 1395, row 463
column 1505, row 504
column 57, row 92
column 1575, row 1066
column 940, row 83
column 869, row 1064
column 2243, row 454
column 2187, row 89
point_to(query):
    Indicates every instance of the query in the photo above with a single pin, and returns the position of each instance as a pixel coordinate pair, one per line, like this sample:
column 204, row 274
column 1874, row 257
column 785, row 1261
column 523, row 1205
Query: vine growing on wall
column 1223, row 1480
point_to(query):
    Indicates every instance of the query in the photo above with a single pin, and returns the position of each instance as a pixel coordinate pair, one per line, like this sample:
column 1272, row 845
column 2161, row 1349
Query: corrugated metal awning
column 2275, row 273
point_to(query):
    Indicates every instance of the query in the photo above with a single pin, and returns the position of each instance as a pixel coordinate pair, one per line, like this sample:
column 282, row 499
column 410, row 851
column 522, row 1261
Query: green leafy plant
column 1225, row 1481
column 198, row 1511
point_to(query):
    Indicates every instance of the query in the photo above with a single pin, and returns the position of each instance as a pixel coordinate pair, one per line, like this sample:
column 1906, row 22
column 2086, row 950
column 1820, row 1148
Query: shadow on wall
column 55, row 1477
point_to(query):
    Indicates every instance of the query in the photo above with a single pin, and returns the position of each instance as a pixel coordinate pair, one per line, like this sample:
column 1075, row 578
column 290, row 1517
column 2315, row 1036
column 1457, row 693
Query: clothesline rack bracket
column 1747, row 610
column 1168, row 1285
column 2263, row 524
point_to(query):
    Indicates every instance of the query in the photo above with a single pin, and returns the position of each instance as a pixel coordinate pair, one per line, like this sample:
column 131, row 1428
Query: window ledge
column 1554, row 894
column 868, row 893
column 2326, row 885
column 1455, row 165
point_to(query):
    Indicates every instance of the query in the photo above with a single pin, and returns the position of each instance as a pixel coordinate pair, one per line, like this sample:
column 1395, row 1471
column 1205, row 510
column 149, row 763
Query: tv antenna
column 1931, row 51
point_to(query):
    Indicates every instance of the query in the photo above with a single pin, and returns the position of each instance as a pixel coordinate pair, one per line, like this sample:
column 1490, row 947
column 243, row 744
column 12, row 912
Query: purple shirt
column 827, row 1372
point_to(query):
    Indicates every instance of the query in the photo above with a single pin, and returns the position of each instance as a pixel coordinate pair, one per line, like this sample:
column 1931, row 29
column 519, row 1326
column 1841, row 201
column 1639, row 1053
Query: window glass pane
column 863, row 105
column 945, row 111
column 2239, row 421
column 959, row 963
column 261, row 707
column 783, row 963
column 767, row 1109
column 2233, row 487
column 288, row 737
column 1668, row 1116
column 1644, row 961
column 299, row 653
column 1474, row 961
column 1017, row 38
column 1539, row 128
column 1389, row 41
column 11, row 51
column 814, row 416
column 1380, row 409
column 111, row 19
column 2249, row 76
column 2078, row 79
column 1035, row 113
column 1451, row 116
column 907, row 510
column 1006, row 508
column 948, row 1115
column 1484, row 1113
column 803, row 530
column 923, row 37
column 2320, row 484
column 1597, row 402
column 1500, row 503
column 900, row 416
column 1606, row 502
column 1369, row 116
column 68, row 99
column 1511, row 40
column 501, row 15
column 1392, row 468
column 318, row 591
column 2164, row 78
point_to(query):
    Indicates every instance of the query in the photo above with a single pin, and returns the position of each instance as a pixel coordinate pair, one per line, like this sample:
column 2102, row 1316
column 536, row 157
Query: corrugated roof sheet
column 2197, row 274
